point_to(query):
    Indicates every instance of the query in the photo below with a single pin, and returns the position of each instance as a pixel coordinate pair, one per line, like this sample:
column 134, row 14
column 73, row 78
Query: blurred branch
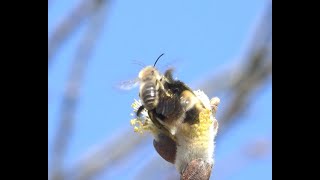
column 258, row 148
column 242, row 82
column 106, row 155
column 258, row 51
column 242, row 91
column 69, row 25
column 72, row 90
column 254, row 150
column 155, row 165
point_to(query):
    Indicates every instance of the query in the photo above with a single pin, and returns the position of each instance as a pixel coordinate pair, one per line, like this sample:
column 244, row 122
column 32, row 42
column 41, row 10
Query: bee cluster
column 181, row 120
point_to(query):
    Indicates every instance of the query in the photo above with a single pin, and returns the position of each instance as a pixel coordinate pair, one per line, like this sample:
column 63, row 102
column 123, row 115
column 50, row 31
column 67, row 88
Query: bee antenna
column 157, row 60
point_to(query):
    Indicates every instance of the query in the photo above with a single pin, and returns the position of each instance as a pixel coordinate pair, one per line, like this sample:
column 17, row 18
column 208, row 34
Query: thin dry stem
column 71, row 95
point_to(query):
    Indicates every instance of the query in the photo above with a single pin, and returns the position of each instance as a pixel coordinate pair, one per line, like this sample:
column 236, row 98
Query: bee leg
column 152, row 115
column 140, row 110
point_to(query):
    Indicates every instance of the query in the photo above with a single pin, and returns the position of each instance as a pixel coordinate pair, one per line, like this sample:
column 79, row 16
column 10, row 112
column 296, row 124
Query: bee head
column 150, row 72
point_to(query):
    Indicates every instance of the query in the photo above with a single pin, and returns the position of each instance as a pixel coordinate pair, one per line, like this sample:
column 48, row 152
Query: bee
column 184, row 117
column 154, row 94
column 151, row 87
column 168, row 102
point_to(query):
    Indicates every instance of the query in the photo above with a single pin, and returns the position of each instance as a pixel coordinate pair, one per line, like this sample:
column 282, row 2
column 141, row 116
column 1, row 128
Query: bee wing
column 129, row 84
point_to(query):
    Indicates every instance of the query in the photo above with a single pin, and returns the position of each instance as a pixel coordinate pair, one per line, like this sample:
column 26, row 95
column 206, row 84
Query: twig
column 69, row 25
column 105, row 155
column 242, row 94
column 242, row 156
column 156, row 167
column 72, row 92
column 257, row 68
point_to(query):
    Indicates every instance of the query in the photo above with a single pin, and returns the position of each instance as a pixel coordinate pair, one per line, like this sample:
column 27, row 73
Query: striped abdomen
column 149, row 95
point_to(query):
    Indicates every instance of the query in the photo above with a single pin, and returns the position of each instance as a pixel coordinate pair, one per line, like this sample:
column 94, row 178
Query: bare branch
column 72, row 92
column 106, row 155
column 260, row 47
column 156, row 168
column 256, row 69
column 242, row 94
column 69, row 25
column 241, row 157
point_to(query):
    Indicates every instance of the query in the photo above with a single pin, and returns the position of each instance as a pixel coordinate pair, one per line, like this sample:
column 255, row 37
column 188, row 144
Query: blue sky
column 198, row 37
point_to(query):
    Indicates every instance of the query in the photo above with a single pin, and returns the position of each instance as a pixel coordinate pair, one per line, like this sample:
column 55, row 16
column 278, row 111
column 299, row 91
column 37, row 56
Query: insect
column 151, row 87
column 156, row 98
column 169, row 102
column 183, row 117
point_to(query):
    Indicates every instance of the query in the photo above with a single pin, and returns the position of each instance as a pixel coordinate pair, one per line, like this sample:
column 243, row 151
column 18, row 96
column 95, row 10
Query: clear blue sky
column 200, row 37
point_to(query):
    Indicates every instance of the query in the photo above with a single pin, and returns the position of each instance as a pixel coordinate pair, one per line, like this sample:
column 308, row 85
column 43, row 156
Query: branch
column 69, row 25
column 242, row 92
column 243, row 81
column 69, row 102
column 156, row 168
column 241, row 157
column 106, row 155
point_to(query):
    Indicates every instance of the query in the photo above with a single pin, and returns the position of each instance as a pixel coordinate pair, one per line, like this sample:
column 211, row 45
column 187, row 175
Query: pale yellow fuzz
column 197, row 134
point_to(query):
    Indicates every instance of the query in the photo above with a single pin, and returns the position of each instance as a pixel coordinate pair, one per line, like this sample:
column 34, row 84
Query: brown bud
column 165, row 147
column 197, row 170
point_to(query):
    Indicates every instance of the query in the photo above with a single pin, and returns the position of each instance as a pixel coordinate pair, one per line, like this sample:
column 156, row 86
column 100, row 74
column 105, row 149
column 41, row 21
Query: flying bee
column 150, row 87
column 155, row 98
